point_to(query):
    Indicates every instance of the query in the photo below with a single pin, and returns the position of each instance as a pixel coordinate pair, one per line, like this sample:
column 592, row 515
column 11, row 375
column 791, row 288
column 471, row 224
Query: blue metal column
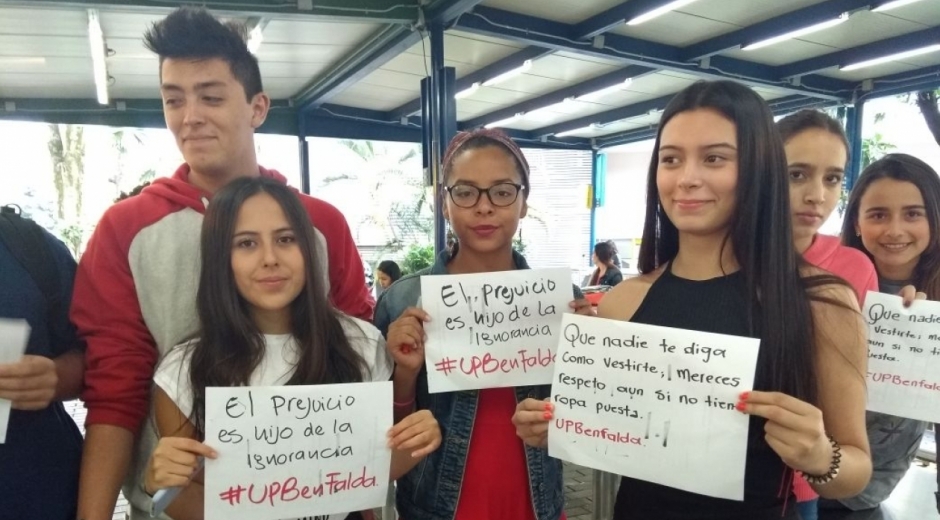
column 598, row 182
column 304, row 149
column 443, row 121
column 854, row 116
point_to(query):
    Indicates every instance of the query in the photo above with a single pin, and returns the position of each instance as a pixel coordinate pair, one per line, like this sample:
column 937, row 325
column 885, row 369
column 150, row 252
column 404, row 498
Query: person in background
column 386, row 274
column 135, row 289
column 892, row 217
column 39, row 462
column 817, row 152
column 606, row 272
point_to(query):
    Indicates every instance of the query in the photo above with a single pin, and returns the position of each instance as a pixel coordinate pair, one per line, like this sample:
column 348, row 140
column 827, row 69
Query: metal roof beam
column 887, row 47
column 926, row 78
column 782, row 24
column 134, row 113
column 603, row 118
column 371, row 11
column 381, row 48
column 615, row 17
column 545, row 33
column 479, row 76
column 558, row 96
column 779, row 106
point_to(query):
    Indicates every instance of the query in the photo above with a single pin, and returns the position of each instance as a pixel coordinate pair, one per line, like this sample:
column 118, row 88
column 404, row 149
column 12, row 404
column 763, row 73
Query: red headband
column 458, row 142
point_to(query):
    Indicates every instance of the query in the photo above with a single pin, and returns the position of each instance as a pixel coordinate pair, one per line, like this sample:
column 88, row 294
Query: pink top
column 849, row 263
column 853, row 266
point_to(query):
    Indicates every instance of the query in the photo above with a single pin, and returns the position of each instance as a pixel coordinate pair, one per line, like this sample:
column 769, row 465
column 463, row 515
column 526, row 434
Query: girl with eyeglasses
column 482, row 470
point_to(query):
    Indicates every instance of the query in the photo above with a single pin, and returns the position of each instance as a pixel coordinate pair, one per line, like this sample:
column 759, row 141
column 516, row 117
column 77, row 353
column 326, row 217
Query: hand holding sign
column 531, row 421
column 406, row 339
column 794, row 430
column 419, row 430
column 174, row 463
column 30, row 383
column 909, row 293
column 14, row 334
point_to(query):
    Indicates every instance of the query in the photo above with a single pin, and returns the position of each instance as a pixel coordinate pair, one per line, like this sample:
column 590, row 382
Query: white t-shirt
column 276, row 367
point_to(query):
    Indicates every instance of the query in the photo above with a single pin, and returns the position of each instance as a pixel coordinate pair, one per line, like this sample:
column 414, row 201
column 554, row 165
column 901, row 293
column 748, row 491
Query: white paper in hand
column 13, row 337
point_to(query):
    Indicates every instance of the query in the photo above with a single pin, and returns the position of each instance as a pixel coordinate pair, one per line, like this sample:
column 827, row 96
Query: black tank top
column 718, row 305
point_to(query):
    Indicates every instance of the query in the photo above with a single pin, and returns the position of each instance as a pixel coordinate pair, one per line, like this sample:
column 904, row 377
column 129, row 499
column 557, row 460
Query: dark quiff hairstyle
column 759, row 233
column 391, row 269
column 190, row 33
column 904, row 168
column 230, row 346
column 809, row 119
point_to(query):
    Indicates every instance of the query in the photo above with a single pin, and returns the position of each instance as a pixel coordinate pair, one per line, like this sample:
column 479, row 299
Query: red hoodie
column 135, row 289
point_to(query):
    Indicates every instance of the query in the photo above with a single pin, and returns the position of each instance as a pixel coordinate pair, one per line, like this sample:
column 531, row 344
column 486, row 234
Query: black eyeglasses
column 500, row 195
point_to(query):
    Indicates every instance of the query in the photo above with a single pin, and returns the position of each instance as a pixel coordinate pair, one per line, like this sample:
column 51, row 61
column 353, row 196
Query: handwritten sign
column 653, row 403
column 903, row 357
column 297, row 451
column 493, row 330
column 14, row 335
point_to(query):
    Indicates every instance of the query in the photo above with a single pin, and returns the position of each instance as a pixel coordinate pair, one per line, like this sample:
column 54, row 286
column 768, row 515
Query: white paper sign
column 14, row 335
column 492, row 330
column 297, row 451
column 903, row 357
column 653, row 403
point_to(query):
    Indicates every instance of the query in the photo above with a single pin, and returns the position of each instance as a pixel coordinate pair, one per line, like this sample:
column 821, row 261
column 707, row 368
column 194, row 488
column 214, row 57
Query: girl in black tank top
column 717, row 256
column 721, row 305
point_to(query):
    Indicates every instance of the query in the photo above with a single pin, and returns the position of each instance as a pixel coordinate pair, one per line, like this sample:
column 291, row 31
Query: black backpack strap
column 25, row 241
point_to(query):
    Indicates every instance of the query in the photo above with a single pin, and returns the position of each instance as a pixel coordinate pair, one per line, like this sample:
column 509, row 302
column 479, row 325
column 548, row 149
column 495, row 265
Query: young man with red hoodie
column 135, row 290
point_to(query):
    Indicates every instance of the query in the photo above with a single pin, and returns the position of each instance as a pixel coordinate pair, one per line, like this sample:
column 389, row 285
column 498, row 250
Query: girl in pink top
column 817, row 152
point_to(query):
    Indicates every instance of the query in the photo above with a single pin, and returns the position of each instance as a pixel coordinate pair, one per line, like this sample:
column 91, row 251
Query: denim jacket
column 431, row 490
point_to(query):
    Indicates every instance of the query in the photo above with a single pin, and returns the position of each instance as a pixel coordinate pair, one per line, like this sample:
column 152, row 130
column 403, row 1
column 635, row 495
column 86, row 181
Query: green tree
column 873, row 148
column 417, row 258
column 405, row 220
column 67, row 151
column 927, row 102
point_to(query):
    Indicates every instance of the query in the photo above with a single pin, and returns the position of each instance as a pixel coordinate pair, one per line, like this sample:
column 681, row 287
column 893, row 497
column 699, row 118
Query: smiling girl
column 717, row 256
column 893, row 216
column 265, row 321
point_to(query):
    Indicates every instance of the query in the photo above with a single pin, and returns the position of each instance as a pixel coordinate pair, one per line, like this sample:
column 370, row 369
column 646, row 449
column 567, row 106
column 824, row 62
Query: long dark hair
column 230, row 346
column 760, row 236
column 904, row 168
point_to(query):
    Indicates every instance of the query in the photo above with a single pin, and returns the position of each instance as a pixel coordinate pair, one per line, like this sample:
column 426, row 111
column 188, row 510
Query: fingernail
column 740, row 406
column 549, row 407
column 547, row 416
column 744, row 396
column 406, row 349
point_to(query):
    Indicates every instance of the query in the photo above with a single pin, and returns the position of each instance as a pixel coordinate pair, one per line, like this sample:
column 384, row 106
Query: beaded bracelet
column 833, row 467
